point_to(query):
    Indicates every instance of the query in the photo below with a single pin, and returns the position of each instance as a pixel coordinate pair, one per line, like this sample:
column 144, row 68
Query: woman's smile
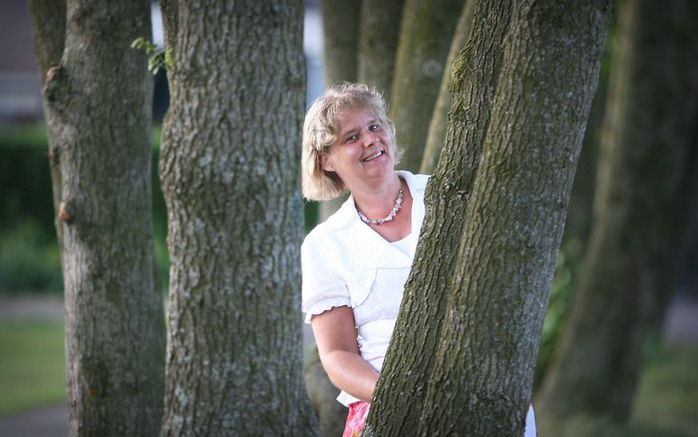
column 374, row 156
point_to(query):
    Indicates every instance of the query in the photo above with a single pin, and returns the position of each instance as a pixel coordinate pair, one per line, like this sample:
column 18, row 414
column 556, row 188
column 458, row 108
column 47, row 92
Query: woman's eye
column 352, row 138
column 374, row 127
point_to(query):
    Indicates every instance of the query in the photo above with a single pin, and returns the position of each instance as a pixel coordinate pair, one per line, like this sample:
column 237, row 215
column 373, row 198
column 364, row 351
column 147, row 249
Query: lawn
column 32, row 365
column 32, row 372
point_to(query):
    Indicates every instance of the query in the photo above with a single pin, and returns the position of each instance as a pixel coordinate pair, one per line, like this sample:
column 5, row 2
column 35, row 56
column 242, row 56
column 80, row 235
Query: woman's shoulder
column 329, row 232
column 415, row 181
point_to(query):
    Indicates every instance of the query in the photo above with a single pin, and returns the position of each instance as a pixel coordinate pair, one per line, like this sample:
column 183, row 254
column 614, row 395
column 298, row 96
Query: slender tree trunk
column 97, row 101
column 638, row 211
column 340, row 24
column 437, row 126
column 379, row 32
column 229, row 171
column 577, row 224
column 340, row 21
column 480, row 383
column 409, row 359
column 48, row 23
column 425, row 37
column 323, row 396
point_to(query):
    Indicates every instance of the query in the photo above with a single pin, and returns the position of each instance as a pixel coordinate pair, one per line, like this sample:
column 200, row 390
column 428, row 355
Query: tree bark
column 638, row 213
column 97, row 96
column 340, row 25
column 230, row 177
column 48, row 25
column 437, row 126
column 379, row 31
column 408, row 362
column 425, row 37
column 480, row 383
column 323, row 396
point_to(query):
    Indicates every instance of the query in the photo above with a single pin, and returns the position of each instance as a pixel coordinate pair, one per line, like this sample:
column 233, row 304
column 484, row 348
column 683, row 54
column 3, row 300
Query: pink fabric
column 356, row 419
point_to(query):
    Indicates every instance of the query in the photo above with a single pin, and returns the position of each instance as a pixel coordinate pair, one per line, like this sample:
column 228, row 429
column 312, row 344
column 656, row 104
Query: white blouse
column 346, row 263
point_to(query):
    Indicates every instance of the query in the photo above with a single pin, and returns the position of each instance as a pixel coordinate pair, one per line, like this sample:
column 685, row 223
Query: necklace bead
column 389, row 217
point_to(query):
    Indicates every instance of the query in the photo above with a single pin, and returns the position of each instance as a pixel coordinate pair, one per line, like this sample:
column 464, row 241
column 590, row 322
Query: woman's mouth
column 374, row 156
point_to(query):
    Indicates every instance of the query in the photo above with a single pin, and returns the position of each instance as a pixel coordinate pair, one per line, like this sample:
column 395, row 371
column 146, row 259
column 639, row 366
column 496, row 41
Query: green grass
column 666, row 402
column 32, row 365
column 32, row 372
column 668, row 393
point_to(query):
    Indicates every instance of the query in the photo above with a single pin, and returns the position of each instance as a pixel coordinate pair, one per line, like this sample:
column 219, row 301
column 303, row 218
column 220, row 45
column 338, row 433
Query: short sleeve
column 322, row 287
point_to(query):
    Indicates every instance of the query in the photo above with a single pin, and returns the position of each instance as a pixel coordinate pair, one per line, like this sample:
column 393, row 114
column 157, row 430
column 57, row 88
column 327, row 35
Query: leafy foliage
column 158, row 57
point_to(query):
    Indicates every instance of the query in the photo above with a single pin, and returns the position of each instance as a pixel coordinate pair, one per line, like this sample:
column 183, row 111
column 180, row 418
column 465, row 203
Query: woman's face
column 363, row 151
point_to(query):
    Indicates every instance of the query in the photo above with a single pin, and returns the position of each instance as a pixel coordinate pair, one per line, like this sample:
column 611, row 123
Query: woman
column 355, row 264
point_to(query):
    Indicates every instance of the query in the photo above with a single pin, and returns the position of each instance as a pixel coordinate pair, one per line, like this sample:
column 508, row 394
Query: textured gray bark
column 379, row 31
column 438, row 124
column 515, row 219
column 409, row 359
column 230, row 176
column 641, row 186
column 481, row 379
column 97, row 105
column 426, row 32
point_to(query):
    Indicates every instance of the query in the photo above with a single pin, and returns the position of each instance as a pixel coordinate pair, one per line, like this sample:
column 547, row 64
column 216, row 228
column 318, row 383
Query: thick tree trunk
column 515, row 219
column 437, row 126
column 379, row 32
column 638, row 211
column 97, row 104
column 425, row 36
column 229, row 170
column 409, row 360
column 515, row 212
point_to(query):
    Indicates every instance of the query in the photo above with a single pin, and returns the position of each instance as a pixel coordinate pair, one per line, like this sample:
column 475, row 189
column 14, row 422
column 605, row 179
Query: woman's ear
column 326, row 162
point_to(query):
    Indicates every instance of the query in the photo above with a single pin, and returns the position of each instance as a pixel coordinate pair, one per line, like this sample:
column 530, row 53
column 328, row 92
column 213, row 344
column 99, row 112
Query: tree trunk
column 480, row 383
column 425, row 37
column 323, row 396
column 408, row 360
column 340, row 24
column 577, row 223
column 639, row 208
column 230, row 177
column 379, row 31
column 437, row 126
column 48, row 24
column 97, row 104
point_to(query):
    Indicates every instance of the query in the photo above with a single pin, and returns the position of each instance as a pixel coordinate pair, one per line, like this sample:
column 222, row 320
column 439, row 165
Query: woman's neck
column 377, row 201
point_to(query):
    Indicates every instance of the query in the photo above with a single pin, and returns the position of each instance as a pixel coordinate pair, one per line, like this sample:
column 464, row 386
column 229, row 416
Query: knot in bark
column 56, row 85
column 54, row 154
column 66, row 213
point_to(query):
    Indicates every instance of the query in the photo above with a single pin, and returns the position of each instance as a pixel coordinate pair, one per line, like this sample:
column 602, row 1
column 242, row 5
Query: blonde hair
column 320, row 131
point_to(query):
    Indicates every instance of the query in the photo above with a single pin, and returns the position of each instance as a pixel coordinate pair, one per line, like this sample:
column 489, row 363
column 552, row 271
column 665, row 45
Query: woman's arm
column 335, row 336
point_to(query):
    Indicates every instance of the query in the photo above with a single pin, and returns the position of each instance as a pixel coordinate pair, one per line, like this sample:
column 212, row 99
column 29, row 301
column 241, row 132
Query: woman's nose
column 369, row 138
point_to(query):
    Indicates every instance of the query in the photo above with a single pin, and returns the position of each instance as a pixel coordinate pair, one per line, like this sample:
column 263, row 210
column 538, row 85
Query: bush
column 29, row 260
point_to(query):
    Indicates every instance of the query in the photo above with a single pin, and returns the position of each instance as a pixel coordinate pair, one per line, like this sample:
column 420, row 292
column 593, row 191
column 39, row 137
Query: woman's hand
column 335, row 336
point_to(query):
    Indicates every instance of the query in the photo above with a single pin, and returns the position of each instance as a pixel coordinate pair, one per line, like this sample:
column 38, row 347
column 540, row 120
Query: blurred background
column 31, row 328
